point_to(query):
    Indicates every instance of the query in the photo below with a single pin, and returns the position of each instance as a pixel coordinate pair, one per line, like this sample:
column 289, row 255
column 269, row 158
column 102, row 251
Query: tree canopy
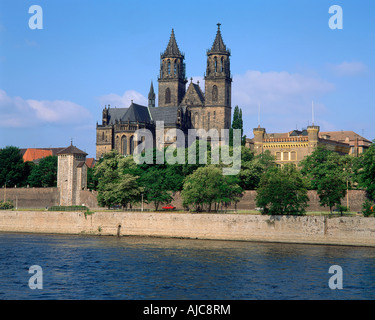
column 208, row 186
column 13, row 171
column 44, row 174
column 282, row 191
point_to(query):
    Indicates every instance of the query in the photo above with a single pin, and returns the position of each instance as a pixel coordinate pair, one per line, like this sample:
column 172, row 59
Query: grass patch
column 68, row 208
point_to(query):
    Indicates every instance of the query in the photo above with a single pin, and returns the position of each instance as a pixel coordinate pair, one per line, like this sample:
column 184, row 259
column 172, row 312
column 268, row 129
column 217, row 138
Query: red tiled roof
column 90, row 162
column 35, row 154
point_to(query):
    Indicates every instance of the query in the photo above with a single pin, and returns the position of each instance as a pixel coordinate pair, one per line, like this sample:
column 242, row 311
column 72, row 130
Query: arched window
column 131, row 144
column 175, row 67
column 214, row 116
column 222, row 64
column 103, row 136
column 285, row 156
column 124, row 145
column 168, row 95
column 215, row 63
column 208, row 121
column 169, row 67
column 214, row 93
column 293, row 156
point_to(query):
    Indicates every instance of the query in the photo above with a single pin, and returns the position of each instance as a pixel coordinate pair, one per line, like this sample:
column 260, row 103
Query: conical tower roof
column 151, row 94
column 218, row 45
column 172, row 49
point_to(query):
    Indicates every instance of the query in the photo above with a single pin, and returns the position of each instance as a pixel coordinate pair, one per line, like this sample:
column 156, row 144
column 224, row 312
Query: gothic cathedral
column 178, row 107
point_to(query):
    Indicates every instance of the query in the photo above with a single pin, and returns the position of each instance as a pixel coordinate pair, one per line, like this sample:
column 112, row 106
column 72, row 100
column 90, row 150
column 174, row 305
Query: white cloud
column 124, row 101
column 348, row 68
column 277, row 92
column 18, row 112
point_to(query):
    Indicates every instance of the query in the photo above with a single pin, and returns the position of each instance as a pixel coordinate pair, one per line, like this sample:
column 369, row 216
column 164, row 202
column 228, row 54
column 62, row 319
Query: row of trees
column 284, row 190
column 280, row 190
column 120, row 181
column 15, row 172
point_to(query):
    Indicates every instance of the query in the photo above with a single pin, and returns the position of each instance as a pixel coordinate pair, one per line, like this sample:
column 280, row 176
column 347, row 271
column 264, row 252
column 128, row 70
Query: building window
column 285, row 156
column 293, row 156
column 168, row 95
column 208, row 121
column 131, row 145
column 215, row 62
column 214, row 116
column 124, row 145
column 214, row 94
column 222, row 64
column 278, row 156
column 169, row 67
column 175, row 67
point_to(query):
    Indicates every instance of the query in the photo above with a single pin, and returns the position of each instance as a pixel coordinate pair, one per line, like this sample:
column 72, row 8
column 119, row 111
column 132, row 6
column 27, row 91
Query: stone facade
column 179, row 106
column 294, row 146
column 71, row 175
column 356, row 231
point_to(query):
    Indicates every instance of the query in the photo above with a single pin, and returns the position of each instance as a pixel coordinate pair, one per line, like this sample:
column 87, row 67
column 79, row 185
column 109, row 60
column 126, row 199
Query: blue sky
column 54, row 82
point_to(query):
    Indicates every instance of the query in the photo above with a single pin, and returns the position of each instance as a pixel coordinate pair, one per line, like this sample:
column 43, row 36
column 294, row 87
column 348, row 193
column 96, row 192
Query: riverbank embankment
column 357, row 231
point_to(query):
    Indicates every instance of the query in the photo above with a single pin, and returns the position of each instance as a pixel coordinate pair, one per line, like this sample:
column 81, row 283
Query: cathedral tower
column 172, row 79
column 218, row 84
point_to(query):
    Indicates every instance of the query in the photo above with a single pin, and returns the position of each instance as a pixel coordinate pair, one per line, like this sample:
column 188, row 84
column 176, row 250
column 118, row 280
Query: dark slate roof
column 81, row 164
column 166, row 114
column 172, row 49
column 115, row 114
column 72, row 150
column 218, row 45
column 141, row 113
column 136, row 112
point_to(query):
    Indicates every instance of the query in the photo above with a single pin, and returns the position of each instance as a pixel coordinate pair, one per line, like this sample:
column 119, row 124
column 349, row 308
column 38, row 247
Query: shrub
column 367, row 208
column 342, row 209
column 6, row 205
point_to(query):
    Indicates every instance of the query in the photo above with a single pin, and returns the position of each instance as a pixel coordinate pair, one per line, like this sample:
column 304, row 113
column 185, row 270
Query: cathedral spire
column 151, row 96
column 218, row 45
column 172, row 49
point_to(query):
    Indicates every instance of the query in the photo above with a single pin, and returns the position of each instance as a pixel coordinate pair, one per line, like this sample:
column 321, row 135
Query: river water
column 94, row 267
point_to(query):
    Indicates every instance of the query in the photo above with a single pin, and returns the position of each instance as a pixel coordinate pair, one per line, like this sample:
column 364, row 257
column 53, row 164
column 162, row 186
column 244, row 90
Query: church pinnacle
column 151, row 96
column 218, row 45
column 172, row 47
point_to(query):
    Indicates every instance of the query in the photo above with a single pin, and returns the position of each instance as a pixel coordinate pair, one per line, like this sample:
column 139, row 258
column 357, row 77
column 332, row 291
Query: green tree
column 282, row 191
column 207, row 186
column 253, row 167
column 366, row 171
column 44, row 174
column 331, row 189
column 322, row 163
column 92, row 180
column 237, row 123
column 156, row 186
column 115, row 185
column 13, row 171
